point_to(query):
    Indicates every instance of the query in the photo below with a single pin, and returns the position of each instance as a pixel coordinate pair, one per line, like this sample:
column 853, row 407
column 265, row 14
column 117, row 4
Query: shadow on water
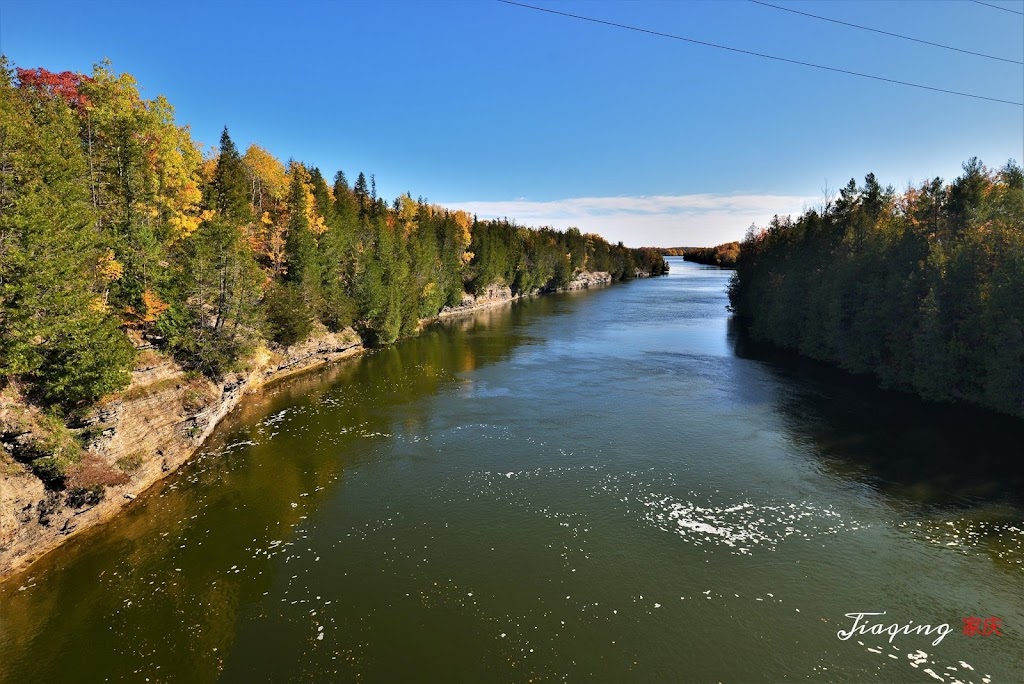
column 918, row 452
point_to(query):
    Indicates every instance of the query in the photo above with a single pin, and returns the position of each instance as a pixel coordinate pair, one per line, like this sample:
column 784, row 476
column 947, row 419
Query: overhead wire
column 887, row 33
column 757, row 54
column 1005, row 9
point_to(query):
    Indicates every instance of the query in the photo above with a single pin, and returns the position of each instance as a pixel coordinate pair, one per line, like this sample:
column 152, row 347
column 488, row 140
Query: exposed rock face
column 21, row 496
column 493, row 295
column 137, row 437
column 501, row 294
column 586, row 279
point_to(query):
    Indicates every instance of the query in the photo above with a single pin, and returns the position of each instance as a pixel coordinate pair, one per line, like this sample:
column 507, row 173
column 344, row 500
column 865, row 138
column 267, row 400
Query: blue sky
column 546, row 119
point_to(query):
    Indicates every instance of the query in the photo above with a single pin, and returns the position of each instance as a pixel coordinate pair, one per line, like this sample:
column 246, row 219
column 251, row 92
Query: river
column 608, row 485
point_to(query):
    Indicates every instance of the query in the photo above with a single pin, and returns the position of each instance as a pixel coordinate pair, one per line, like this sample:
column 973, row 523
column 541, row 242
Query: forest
column 923, row 289
column 117, row 230
column 723, row 255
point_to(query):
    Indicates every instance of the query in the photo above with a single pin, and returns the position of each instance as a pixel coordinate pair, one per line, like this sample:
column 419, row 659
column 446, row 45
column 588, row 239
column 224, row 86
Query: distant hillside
column 721, row 255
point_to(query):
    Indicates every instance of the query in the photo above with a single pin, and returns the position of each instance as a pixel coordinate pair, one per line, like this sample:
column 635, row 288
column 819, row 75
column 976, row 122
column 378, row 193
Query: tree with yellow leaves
column 143, row 178
column 268, row 179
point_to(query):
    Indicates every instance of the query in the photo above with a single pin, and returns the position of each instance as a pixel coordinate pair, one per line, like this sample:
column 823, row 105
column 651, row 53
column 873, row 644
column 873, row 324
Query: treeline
column 116, row 229
column 720, row 255
column 923, row 289
column 724, row 255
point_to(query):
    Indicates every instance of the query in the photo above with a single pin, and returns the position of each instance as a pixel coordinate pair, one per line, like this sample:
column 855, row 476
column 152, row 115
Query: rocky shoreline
column 496, row 295
column 146, row 432
column 137, row 437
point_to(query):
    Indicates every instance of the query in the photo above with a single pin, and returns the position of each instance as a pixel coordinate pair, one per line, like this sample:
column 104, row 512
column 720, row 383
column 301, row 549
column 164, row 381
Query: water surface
column 609, row 485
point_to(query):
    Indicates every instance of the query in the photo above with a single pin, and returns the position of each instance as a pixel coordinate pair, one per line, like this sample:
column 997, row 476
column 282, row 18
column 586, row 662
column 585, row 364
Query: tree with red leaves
column 64, row 84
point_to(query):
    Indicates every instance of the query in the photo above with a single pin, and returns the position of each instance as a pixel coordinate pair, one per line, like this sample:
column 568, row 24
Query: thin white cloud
column 660, row 220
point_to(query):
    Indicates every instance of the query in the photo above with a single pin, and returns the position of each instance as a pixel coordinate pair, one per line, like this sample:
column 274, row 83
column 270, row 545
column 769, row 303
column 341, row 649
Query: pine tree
column 321, row 193
column 213, row 321
column 362, row 193
column 231, row 185
column 300, row 246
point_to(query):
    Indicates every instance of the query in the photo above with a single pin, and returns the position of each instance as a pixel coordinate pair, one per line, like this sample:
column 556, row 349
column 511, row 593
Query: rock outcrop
column 496, row 295
column 586, row 280
column 132, row 439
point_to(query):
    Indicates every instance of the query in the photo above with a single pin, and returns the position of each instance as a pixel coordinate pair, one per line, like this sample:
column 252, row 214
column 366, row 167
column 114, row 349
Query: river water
column 607, row 485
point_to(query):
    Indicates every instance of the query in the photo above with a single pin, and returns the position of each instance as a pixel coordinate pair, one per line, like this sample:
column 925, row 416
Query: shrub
column 131, row 462
column 52, row 470
column 85, row 496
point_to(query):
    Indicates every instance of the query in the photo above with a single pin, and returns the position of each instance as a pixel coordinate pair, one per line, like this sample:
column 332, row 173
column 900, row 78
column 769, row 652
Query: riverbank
column 136, row 437
column 497, row 295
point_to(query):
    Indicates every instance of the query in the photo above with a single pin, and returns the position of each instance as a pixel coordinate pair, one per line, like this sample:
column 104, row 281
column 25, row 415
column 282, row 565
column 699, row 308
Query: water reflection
column 915, row 451
column 175, row 558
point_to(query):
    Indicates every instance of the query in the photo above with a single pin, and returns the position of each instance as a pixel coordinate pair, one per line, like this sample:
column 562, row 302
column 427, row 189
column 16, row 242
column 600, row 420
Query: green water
column 608, row 485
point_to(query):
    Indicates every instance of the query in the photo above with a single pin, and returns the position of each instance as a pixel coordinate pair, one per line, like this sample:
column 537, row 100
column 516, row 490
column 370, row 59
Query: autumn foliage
column 65, row 85
column 114, row 225
column 724, row 255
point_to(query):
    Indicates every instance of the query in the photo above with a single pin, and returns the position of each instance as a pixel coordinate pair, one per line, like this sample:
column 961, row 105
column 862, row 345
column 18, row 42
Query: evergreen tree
column 362, row 194
column 231, row 186
column 213, row 322
column 300, row 246
column 288, row 319
column 321, row 193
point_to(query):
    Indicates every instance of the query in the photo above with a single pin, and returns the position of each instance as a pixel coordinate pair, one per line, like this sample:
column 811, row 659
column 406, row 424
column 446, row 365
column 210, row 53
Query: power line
column 887, row 33
column 1005, row 9
column 757, row 54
